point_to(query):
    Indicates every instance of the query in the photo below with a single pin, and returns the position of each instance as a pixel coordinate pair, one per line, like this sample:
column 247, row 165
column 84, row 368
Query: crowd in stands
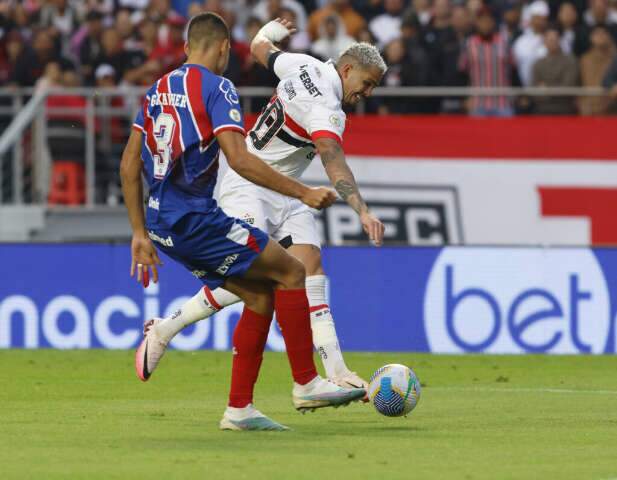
column 451, row 43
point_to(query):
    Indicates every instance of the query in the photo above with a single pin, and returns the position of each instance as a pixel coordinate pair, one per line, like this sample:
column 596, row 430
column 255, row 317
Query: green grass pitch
column 84, row 414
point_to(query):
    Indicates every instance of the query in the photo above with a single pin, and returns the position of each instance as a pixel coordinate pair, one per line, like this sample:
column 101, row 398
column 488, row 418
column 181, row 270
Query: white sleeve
column 283, row 63
column 324, row 122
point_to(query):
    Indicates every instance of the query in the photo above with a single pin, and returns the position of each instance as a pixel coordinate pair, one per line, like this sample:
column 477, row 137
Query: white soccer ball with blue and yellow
column 394, row 390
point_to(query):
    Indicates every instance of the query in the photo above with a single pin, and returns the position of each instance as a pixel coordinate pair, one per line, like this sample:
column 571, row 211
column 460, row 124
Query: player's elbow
column 239, row 163
column 260, row 47
column 128, row 172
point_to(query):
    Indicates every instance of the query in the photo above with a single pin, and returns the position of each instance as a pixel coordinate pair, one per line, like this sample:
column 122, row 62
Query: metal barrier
column 33, row 127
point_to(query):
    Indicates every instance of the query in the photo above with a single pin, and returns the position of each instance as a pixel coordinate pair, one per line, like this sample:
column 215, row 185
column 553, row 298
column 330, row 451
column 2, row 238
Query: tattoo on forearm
column 345, row 189
column 327, row 156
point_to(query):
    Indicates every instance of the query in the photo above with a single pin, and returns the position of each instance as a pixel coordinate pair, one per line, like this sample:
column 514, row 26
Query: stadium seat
column 67, row 184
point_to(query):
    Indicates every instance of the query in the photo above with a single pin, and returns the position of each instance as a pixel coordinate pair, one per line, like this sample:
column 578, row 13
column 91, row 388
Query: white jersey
column 307, row 106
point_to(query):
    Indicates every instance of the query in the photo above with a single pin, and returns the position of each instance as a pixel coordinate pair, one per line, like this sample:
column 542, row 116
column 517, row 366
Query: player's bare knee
column 312, row 263
column 259, row 302
column 295, row 274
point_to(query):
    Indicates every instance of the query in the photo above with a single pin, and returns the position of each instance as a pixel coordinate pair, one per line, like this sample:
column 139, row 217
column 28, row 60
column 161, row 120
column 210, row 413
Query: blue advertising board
column 445, row 300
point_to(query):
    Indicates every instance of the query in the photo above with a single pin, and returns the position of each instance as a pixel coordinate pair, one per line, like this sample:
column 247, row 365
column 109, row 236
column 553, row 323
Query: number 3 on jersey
column 163, row 134
column 268, row 125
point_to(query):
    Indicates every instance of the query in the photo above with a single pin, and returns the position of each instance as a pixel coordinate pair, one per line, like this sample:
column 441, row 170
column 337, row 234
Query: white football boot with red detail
column 319, row 393
column 351, row 380
column 150, row 351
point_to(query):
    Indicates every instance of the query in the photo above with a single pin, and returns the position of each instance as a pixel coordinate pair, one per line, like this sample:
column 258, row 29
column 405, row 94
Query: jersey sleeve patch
column 224, row 110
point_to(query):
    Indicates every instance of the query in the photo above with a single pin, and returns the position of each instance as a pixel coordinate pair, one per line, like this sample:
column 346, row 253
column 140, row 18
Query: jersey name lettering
column 308, row 82
column 168, row 99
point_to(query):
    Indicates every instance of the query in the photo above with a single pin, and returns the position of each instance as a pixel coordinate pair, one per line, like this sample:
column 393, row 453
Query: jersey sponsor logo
column 228, row 262
column 228, row 89
column 168, row 100
column 289, row 89
column 166, row 242
column 153, row 203
column 308, row 82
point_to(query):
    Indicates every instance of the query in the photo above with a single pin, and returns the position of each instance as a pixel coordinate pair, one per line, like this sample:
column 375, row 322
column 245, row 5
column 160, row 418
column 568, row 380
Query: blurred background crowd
column 451, row 43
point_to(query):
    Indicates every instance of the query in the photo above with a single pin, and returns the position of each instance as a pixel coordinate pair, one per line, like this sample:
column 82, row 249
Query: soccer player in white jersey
column 304, row 117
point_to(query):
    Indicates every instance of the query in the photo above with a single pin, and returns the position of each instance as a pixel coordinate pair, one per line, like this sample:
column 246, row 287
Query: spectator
column 60, row 19
column 170, row 53
column 387, row 26
column 487, row 61
column 452, row 76
column 510, row 27
column 33, row 60
column 366, row 36
column 529, row 47
column 567, row 19
column 13, row 48
column 332, row 39
column 253, row 25
column 266, row 10
column 91, row 47
column 422, row 9
column 299, row 41
column 126, row 64
column 353, row 22
column 555, row 70
column 474, row 7
column 442, row 43
column 126, row 29
column 105, row 76
column 461, row 22
column 416, row 54
column 21, row 21
column 368, row 9
column 395, row 76
column 594, row 65
column 597, row 14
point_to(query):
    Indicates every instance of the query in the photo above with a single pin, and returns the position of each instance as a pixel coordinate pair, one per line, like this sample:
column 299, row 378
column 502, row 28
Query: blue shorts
column 211, row 245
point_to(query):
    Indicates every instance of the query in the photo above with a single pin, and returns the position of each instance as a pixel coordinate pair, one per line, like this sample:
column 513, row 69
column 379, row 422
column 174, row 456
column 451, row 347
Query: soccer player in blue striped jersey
column 188, row 116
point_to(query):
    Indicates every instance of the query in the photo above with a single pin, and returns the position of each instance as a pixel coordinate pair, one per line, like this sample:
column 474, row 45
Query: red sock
column 249, row 341
column 293, row 316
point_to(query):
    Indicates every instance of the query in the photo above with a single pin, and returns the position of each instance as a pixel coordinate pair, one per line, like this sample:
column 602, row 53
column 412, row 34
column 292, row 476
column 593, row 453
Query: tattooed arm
column 340, row 175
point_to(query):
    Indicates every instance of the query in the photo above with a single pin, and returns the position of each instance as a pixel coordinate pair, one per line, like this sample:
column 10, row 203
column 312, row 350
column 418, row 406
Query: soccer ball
column 394, row 390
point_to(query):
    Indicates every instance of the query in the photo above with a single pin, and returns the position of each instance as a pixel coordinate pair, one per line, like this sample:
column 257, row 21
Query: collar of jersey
column 198, row 66
column 335, row 78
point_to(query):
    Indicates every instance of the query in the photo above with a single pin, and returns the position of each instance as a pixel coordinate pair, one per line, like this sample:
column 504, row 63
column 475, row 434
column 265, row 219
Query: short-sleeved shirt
column 181, row 116
column 307, row 106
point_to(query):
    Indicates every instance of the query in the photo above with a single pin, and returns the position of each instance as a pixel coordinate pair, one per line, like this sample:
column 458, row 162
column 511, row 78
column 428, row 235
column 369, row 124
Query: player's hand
column 319, row 197
column 373, row 228
column 287, row 24
column 144, row 258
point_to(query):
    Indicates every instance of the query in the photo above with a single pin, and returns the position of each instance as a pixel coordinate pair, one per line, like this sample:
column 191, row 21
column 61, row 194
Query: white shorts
column 278, row 215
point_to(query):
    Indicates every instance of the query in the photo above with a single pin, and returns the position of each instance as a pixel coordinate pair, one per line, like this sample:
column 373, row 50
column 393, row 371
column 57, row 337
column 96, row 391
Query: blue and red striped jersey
column 182, row 114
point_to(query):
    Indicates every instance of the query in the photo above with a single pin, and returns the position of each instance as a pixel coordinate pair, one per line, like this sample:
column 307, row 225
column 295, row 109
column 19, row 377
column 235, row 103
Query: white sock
column 322, row 324
column 204, row 304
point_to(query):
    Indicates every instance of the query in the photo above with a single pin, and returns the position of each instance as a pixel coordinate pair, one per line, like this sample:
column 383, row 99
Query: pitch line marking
column 527, row 390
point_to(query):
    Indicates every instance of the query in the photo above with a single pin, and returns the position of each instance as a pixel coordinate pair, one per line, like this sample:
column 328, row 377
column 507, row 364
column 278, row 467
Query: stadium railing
column 93, row 124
